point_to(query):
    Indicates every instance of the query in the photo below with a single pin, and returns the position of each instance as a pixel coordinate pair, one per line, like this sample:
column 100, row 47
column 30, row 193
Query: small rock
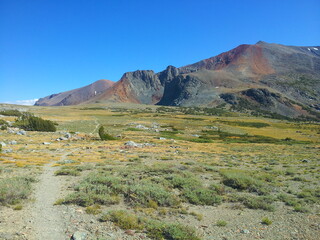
column 13, row 142
column 79, row 236
column 162, row 138
column 67, row 135
column 245, row 231
column 3, row 144
column 147, row 145
column 110, row 235
column 10, row 130
column 132, row 144
column 139, row 126
column 21, row 132
column 305, row 161
column 130, row 232
column 7, row 150
column 63, row 138
column 196, row 135
column 46, row 143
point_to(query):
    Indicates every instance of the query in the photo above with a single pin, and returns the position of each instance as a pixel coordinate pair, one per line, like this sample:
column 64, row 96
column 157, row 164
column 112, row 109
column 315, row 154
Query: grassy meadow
column 191, row 175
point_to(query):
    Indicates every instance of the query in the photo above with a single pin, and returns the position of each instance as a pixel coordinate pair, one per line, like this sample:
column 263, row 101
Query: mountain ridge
column 291, row 71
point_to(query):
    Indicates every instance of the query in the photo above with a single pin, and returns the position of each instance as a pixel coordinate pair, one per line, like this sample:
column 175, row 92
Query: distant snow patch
column 315, row 48
column 24, row 102
column 309, row 49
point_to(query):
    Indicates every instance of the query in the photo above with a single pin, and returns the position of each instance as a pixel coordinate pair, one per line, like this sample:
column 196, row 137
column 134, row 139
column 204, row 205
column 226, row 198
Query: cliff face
column 290, row 72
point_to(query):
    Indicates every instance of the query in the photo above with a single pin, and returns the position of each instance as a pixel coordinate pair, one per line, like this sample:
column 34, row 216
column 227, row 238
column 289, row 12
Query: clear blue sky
column 49, row 46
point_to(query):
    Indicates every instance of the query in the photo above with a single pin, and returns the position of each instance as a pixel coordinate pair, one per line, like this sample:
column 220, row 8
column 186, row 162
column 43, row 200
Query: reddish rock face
column 244, row 57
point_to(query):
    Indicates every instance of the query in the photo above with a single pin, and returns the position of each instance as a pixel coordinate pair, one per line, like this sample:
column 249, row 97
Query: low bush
column 288, row 200
column 155, row 229
column 310, row 195
column 94, row 209
column 202, row 196
column 123, row 219
column 105, row 136
column 15, row 189
column 31, row 123
column 183, row 181
column 11, row 112
column 301, row 208
column 72, row 171
column 221, row 223
column 254, row 202
column 87, row 199
column 243, row 181
column 266, row 221
column 144, row 192
column 159, row 230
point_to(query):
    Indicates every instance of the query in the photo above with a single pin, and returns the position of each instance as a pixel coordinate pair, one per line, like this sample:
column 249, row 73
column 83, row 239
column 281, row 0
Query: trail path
column 97, row 125
column 47, row 220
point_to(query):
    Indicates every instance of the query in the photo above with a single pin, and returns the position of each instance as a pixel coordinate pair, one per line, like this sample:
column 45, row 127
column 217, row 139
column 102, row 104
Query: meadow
column 171, row 173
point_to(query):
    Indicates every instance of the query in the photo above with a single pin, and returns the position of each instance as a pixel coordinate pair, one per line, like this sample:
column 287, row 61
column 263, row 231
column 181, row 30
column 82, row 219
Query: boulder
column 132, row 144
column 21, row 132
column 67, row 135
column 9, row 150
column 79, row 236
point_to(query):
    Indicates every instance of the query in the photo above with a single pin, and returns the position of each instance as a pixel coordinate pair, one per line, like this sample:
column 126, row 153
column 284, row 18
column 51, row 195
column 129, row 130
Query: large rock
column 79, row 236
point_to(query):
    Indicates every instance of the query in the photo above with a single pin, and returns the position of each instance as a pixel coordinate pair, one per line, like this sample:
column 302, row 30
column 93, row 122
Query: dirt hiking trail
column 47, row 222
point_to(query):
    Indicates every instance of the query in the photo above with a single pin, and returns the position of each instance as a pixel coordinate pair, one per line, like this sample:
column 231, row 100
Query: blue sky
column 50, row 46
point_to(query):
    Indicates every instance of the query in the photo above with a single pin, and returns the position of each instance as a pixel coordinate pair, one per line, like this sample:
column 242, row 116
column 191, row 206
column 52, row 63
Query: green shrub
column 123, row 219
column 247, row 124
column 179, row 232
column 243, row 181
column 192, row 190
column 253, row 202
column 288, row 200
column 144, row 192
column 3, row 124
column 87, row 199
column 184, row 181
column 301, row 208
column 173, row 231
column 202, row 196
column 11, row 112
column 18, row 207
column 105, row 136
column 94, row 209
column 31, row 123
column 266, row 221
column 68, row 171
column 97, row 189
column 310, row 195
column 13, row 190
column 221, row 223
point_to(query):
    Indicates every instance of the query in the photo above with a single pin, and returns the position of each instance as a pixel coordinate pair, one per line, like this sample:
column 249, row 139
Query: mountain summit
column 266, row 76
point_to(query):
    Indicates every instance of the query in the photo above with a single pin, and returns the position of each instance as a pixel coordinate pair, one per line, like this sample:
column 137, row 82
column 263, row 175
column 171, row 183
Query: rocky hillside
column 268, row 77
column 76, row 96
